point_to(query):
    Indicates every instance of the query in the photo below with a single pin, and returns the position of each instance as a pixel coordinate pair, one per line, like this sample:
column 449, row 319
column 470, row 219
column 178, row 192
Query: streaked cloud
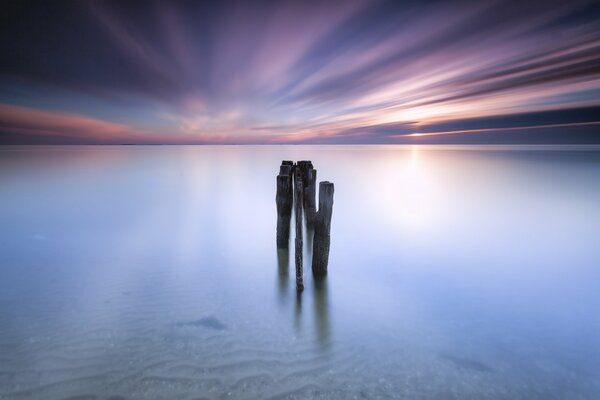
column 297, row 71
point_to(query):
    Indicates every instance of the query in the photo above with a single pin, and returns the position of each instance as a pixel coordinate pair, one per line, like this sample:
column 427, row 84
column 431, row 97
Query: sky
column 298, row 72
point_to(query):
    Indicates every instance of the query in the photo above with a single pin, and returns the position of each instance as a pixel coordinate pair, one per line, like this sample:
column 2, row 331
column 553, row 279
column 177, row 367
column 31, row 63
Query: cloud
column 28, row 121
column 41, row 126
column 292, row 71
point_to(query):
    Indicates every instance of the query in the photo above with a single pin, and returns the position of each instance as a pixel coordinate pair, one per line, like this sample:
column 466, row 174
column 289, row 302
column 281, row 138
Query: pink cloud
column 56, row 123
column 30, row 121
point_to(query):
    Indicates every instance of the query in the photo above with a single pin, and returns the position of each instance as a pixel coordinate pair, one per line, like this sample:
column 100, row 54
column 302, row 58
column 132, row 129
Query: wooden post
column 288, row 171
column 296, row 187
column 285, row 170
column 298, row 212
column 322, row 239
column 284, row 199
column 310, row 206
column 304, row 166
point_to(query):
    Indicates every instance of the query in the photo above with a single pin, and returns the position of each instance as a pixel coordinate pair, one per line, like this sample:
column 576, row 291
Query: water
column 152, row 273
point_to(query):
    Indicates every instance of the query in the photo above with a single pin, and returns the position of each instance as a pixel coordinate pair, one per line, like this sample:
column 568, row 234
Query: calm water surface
column 152, row 273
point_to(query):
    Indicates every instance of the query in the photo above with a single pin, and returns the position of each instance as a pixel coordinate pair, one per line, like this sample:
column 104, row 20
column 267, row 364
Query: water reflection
column 283, row 268
column 321, row 311
column 308, row 240
column 319, row 295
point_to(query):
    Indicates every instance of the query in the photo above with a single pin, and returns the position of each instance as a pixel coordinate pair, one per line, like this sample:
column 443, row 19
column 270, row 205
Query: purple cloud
column 297, row 71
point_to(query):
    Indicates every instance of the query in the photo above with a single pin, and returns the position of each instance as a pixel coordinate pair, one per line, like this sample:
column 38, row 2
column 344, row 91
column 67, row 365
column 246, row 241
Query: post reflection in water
column 322, row 325
column 283, row 263
column 310, row 234
column 320, row 296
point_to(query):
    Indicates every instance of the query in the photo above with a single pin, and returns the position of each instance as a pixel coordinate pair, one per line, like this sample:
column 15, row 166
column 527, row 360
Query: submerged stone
column 466, row 363
column 206, row 322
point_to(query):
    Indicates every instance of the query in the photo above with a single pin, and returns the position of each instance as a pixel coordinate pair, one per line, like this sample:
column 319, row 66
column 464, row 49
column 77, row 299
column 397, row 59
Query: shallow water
column 152, row 273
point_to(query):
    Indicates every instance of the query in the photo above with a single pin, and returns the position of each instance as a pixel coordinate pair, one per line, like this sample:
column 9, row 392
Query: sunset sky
column 253, row 72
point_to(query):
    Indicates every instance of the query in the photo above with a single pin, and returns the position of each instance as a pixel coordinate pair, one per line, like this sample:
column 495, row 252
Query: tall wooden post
column 322, row 239
column 296, row 188
column 288, row 170
column 304, row 166
column 298, row 211
column 284, row 200
column 310, row 206
column 285, row 170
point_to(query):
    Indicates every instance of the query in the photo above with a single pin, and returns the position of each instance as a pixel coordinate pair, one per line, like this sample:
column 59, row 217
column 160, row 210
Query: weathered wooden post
column 309, row 178
column 296, row 187
column 286, row 167
column 288, row 170
column 304, row 166
column 285, row 170
column 310, row 206
column 298, row 211
column 322, row 239
column 284, row 199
